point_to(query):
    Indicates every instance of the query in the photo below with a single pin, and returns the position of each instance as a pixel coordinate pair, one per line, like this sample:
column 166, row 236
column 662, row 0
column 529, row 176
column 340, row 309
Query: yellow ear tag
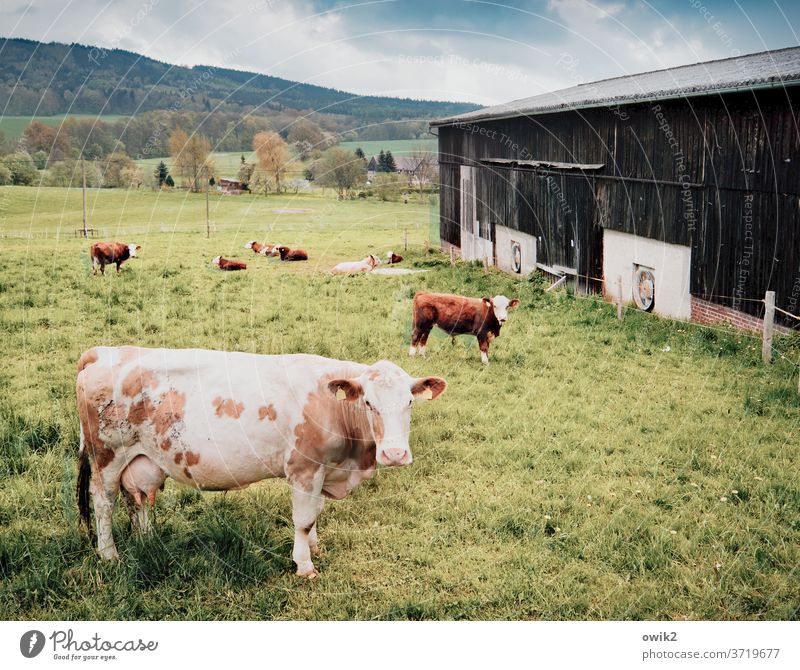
column 427, row 394
column 340, row 394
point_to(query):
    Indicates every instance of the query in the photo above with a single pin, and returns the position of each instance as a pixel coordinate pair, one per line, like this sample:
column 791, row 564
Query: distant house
column 230, row 185
column 412, row 166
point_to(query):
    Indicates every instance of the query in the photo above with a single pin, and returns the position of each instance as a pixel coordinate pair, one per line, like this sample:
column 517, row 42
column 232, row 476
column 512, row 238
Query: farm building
column 230, row 185
column 684, row 182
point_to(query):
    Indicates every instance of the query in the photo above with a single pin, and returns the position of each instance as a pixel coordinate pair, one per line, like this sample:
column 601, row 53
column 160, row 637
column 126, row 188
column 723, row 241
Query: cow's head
column 500, row 305
column 386, row 392
column 373, row 261
column 134, row 249
column 249, row 245
column 215, row 260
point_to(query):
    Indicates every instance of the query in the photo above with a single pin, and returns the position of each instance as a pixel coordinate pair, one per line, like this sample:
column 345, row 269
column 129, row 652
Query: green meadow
column 596, row 469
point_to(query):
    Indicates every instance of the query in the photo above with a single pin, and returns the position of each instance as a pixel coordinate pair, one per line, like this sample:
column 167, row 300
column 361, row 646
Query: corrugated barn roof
column 760, row 70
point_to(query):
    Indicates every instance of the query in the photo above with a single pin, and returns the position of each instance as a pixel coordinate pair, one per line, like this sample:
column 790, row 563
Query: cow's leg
column 312, row 540
column 104, row 488
column 306, row 506
column 423, row 343
column 102, row 268
column 118, row 264
column 418, row 337
column 483, row 344
column 94, row 265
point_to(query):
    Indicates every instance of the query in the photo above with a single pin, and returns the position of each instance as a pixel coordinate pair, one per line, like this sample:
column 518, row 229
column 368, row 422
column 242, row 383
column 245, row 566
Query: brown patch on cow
column 137, row 380
column 87, row 358
column 166, row 444
column 377, row 427
column 192, row 458
column 141, row 411
column 267, row 412
column 228, row 407
column 187, row 473
column 170, row 410
column 178, row 458
column 103, row 456
column 113, row 414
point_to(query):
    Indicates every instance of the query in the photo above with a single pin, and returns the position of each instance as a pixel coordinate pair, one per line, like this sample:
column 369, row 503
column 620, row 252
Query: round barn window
column 516, row 257
column 644, row 289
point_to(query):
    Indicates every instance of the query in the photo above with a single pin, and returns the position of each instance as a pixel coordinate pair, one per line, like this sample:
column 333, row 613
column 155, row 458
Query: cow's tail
column 82, row 488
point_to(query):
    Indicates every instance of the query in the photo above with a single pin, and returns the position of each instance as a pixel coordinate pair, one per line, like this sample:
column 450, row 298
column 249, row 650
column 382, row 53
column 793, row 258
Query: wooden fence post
column 405, row 240
column 452, row 257
column 769, row 326
column 619, row 297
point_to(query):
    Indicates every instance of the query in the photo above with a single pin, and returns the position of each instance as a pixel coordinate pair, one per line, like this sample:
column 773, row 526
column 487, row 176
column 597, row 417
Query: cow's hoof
column 313, row 573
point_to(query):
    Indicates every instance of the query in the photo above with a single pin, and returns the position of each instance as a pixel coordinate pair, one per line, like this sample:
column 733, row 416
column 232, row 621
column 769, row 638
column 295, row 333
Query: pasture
column 594, row 470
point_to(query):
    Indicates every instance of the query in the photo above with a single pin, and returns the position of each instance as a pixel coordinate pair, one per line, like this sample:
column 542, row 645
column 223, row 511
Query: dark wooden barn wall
column 687, row 172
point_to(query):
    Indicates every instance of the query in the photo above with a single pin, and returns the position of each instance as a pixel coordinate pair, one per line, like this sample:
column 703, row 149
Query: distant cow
column 228, row 264
column 220, row 421
column 367, row 264
column 392, row 258
column 105, row 253
column 457, row 315
column 288, row 254
column 263, row 249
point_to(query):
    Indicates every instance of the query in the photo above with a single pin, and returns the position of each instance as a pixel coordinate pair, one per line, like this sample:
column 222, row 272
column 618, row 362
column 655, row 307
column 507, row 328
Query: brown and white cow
column 228, row 264
column 258, row 248
column 288, row 254
column 457, row 315
column 220, row 421
column 392, row 258
column 105, row 253
column 367, row 264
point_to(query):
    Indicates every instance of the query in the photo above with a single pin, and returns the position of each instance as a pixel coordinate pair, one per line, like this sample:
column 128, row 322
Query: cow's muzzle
column 394, row 457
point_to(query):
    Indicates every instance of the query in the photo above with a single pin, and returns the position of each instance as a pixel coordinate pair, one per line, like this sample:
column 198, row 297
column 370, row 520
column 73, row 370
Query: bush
column 389, row 186
column 23, row 171
column 5, row 175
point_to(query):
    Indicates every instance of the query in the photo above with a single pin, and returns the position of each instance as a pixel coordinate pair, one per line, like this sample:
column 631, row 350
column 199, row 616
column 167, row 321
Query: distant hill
column 54, row 78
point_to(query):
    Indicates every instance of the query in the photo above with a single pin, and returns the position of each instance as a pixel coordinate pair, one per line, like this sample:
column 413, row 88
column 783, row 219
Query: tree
column 169, row 181
column 40, row 137
column 381, row 162
column 5, row 175
column 389, row 163
column 64, row 173
column 340, row 169
column 388, row 186
column 23, row 171
column 245, row 174
column 190, row 156
column 40, row 159
column 359, row 152
column 304, row 130
column 272, row 154
column 425, row 169
column 161, row 173
column 117, row 169
column 132, row 176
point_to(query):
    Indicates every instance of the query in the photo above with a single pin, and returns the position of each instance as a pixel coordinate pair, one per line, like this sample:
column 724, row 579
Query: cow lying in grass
column 258, row 248
column 219, row 421
column 228, row 264
column 457, row 315
column 367, row 264
column 288, row 254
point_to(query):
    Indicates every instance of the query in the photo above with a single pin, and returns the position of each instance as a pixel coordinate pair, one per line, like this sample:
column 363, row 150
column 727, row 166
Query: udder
column 143, row 477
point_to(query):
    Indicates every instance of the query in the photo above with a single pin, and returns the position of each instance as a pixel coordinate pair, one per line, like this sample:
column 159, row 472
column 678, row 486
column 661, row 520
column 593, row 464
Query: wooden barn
column 684, row 182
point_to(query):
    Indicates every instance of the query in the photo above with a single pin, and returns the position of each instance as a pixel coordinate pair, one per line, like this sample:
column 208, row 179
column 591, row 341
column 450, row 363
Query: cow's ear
column 487, row 301
column 346, row 389
column 513, row 303
column 428, row 387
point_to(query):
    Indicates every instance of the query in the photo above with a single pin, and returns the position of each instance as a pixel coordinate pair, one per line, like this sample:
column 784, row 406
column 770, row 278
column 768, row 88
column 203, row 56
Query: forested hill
column 48, row 79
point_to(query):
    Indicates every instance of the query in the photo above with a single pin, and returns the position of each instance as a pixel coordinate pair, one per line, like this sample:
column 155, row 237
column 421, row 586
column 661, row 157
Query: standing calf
column 457, row 315
column 105, row 253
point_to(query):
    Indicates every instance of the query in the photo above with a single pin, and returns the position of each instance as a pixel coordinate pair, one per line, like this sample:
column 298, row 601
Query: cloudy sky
column 485, row 52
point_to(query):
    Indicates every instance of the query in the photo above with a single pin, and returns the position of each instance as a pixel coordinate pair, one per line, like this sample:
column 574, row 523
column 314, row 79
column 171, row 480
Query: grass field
column 14, row 126
column 397, row 147
column 594, row 470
